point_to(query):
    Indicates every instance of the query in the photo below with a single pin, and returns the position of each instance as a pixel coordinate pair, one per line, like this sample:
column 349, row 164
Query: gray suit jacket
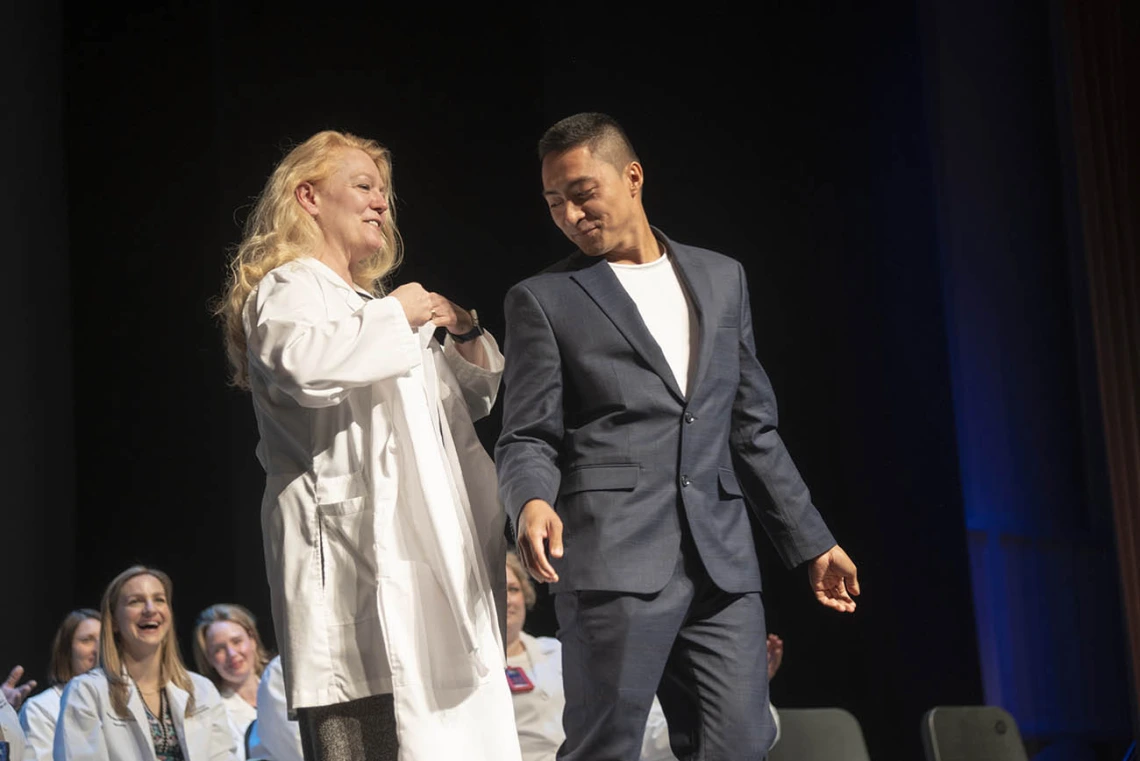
column 595, row 424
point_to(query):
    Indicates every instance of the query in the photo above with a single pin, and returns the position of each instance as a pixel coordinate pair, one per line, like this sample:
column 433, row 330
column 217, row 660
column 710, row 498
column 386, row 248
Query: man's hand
column 833, row 579
column 13, row 694
column 538, row 523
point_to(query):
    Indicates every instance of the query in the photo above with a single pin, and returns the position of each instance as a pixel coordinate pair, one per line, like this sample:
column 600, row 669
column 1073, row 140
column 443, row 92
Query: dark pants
column 701, row 650
column 359, row 730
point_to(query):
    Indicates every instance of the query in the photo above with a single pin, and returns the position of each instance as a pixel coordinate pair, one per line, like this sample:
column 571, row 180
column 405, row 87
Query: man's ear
column 634, row 178
column 306, row 195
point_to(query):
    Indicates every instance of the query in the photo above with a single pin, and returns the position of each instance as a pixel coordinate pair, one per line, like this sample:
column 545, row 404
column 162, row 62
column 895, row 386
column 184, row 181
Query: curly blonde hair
column 279, row 230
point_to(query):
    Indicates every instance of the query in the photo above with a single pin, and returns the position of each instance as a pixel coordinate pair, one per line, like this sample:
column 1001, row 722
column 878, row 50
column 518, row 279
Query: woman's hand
column 417, row 302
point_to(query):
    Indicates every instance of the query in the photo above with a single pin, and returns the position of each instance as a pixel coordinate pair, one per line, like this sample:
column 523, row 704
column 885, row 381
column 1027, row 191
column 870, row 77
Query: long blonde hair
column 235, row 614
column 280, row 230
column 171, row 668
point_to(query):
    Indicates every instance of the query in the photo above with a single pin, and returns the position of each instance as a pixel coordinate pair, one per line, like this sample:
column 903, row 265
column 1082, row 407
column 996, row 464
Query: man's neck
column 644, row 249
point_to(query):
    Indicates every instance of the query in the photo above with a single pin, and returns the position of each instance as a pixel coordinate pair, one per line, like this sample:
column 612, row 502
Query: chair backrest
column 819, row 734
column 971, row 733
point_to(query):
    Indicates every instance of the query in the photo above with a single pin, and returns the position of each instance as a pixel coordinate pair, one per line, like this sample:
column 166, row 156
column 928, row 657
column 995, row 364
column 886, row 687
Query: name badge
column 518, row 680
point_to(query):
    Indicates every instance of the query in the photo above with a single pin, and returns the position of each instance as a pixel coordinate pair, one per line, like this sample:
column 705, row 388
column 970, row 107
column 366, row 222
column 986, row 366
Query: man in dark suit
column 639, row 450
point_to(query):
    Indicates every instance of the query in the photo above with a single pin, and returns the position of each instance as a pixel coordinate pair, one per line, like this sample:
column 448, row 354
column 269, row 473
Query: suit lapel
column 602, row 285
column 696, row 282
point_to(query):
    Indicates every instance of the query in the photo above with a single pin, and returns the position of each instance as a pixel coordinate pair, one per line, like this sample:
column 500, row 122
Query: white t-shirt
column 665, row 309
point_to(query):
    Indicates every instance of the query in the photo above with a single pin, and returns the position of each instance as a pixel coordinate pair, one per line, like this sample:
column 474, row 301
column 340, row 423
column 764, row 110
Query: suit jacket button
column 689, row 417
column 685, row 481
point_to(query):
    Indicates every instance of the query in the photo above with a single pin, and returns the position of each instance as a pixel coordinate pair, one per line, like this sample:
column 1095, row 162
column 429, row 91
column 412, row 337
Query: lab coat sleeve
column 12, row 733
column 39, row 729
column 79, row 732
column 480, row 385
column 317, row 360
column 222, row 744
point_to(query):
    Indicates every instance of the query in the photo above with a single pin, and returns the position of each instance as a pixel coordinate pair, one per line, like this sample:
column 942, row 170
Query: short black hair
column 600, row 132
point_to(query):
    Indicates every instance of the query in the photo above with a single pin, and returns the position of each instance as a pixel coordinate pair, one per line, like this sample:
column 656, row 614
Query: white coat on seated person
column 38, row 717
column 10, row 730
column 278, row 738
column 382, row 528
column 89, row 730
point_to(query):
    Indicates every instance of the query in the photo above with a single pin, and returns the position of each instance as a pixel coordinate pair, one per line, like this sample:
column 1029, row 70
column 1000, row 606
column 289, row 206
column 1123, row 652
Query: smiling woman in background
column 74, row 651
column 141, row 704
column 228, row 650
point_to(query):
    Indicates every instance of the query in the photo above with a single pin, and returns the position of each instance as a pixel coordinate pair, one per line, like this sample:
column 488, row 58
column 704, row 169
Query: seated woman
column 74, row 651
column 228, row 650
column 141, row 704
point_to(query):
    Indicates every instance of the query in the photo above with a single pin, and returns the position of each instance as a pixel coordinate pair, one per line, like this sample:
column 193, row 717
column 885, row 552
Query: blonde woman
column 382, row 531
column 74, row 651
column 228, row 650
column 141, row 704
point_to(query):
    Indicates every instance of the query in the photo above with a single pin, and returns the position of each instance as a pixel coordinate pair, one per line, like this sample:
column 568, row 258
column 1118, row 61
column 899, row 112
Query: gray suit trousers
column 701, row 650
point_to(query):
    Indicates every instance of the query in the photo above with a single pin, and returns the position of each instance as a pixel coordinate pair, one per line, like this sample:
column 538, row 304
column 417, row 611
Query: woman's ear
column 306, row 195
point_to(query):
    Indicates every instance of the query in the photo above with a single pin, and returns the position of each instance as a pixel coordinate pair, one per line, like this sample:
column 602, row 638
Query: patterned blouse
column 162, row 731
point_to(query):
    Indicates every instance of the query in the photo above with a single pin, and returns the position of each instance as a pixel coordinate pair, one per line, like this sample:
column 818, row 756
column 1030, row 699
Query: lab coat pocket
column 422, row 630
column 348, row 559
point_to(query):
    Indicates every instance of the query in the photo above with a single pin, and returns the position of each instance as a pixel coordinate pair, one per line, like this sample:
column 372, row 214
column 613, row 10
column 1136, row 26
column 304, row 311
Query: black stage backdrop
column 794, row 139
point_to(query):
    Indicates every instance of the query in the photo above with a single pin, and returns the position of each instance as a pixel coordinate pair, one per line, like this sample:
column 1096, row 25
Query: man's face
column 595, row 204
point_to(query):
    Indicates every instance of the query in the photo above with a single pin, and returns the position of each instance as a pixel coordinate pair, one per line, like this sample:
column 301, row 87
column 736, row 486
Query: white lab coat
column 11, row 732
column 38, row 716
column 89, row 729
column 278, row 737
column 381, row 522
column 240, row 714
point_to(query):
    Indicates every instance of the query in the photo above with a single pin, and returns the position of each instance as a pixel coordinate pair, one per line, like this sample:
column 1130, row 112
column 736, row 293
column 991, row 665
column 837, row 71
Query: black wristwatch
column 471, row 335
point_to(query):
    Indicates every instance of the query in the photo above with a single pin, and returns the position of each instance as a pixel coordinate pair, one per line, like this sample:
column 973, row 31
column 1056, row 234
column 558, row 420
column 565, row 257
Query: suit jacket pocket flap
column 600, row 478
column 729, row 485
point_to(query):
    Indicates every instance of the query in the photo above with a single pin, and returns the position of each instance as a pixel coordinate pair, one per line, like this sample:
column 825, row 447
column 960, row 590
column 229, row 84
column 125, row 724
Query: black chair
column 971, row 733
column 819, row 734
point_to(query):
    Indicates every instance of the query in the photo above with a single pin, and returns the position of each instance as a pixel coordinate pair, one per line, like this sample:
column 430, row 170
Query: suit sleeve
column 79, row 731
column 527, row 451
column 315, row 360
column 769, row 478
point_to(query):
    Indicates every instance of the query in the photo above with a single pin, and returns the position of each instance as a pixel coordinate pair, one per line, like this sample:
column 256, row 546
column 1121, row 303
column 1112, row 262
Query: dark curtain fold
column 1103, row 41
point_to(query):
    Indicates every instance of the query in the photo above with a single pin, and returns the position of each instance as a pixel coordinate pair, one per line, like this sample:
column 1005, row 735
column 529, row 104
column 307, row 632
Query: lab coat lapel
column 177, row 698
column 138, row 712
